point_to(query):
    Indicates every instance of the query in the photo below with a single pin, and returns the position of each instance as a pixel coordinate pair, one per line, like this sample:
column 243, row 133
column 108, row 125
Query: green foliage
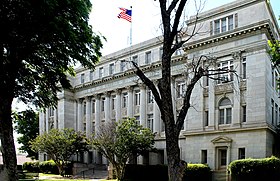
column 27, row 125
column 48, row 167
column 193, row 172
column 274, row 52
column 60, row 145
column 255, row 169
column 197, row 172
column 31, row 167
column 120, row 141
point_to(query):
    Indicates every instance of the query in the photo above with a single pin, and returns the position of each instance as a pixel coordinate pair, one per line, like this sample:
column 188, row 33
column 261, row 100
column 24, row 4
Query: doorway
column 222, row 158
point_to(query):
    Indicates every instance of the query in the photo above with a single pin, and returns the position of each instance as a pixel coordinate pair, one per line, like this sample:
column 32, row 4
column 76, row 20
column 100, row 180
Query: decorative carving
column 237, row 55
column 136, row 109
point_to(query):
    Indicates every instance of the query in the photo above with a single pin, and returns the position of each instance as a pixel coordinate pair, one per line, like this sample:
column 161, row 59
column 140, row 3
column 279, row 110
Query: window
column 206, row 118
column 150, row 97
column 101, row 72
column 276, row 114
column 160, row 52
column 102, row 103
column 82, row 78
column 223, row 24
column 85, row 126
column 125, row 99
column 91, row 75
column 137, row 118
column 244, row 68
column 137, row 97
column 51, row 112
column 225, row 111
column 85, row 108
column 122, row 68
column 225, row 77
column 203, row 156
column 272, row 111
column 93, row 106
column 111, row 69
column 150, row 121
column 135, row 59
column 241, row 153
column 181, row 89
column 113, row 102
column 244, row 114
column 148, row 57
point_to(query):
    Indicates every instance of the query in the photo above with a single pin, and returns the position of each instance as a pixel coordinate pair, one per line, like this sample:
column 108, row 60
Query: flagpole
column 131, row 27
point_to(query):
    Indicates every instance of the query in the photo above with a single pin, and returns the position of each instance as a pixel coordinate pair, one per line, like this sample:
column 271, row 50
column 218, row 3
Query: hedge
column 193, row 172
column 32, row 167
column 255, row 169
column 48, row 167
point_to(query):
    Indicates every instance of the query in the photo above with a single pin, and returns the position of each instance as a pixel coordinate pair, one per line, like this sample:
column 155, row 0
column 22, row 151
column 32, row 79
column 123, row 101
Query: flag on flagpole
column 125, row 14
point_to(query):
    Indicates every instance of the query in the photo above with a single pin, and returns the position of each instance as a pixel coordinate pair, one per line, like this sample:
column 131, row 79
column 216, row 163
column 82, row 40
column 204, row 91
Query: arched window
column 225, row 111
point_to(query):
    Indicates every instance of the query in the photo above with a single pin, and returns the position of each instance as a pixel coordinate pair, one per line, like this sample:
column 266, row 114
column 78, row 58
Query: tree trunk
column 7, row 140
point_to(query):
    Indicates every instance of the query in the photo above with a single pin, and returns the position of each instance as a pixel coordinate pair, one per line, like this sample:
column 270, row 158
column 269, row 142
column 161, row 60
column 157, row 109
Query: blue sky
column 146, row 20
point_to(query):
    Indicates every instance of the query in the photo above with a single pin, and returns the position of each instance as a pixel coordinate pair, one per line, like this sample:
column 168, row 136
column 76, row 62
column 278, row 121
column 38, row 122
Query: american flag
column 125, row 14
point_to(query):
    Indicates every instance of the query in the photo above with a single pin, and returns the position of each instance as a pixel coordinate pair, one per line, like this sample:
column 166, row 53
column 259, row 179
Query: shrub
column 255, row 169
column 48, row 167
column 31, row 167
column 197, row 172
column 193, row 172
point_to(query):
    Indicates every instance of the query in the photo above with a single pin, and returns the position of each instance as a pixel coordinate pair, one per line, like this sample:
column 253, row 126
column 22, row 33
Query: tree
column 119, row 142
column 38, row 42
column 60, row 145
column 27, row 125
column 174, row 37
column 274, row 52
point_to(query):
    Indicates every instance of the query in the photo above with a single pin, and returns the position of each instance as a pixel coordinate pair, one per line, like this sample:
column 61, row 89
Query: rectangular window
column 93, row 106
column 272, row 111
column 122, row 68
column 244, row 116
column 272, row 77
column 160, row 52
column 206, row 118
column 204, row 156
column 82, row 78
column 226, row 77
column 244, row 68
column 150, row 97
column 85, row 108
column 148, row 57
column 111, row 69
column 181, row 89
column 113, row 102
column 222, row 116
column 91, row 75
column 85, row 127
column 241, row 153
column 102, row 103
column 276, row 114
column 51, row 112
column 93, row 127
column 228, row 115
column 150, row 121
column 135, row 59
column 137, row 97
column 224, row 24
column 101, row 72
column 125, row 99
column 137, row 118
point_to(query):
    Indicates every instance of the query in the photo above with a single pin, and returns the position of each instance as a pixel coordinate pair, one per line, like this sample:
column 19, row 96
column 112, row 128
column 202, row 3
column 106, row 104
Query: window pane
column 217, row 26
column 230, row 22
column 224, row 24
column 228, row 112
column 221, row 119
column 225, row 102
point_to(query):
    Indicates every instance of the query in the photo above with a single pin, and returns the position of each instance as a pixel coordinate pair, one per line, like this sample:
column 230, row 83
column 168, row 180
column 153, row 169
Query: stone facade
column 232, row 116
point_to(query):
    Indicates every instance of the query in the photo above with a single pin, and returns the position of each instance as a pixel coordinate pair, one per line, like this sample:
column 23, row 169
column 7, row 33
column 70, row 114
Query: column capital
column 97, row 96
column 88, row 98
column 107, row 94
column 142, row 85
column 80, row 100
column 129, row 88
column 118, row 91
column 237, row 54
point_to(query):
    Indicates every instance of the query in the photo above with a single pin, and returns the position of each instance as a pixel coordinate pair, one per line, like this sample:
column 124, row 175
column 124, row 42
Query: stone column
column 80, row 115
column 211, row 105
column 107, row 107
column 143, row 104
column 236, row 104
column 88, row 117
column 118, row 105
column 156, row 115
column 97, row 112
column 130, row 102
column 42, row 122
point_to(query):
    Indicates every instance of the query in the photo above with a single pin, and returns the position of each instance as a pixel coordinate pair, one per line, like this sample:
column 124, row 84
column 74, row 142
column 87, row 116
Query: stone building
column 232, row 117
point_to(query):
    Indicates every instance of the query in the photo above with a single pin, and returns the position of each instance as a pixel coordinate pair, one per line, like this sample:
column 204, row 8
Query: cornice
column 264, row 25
